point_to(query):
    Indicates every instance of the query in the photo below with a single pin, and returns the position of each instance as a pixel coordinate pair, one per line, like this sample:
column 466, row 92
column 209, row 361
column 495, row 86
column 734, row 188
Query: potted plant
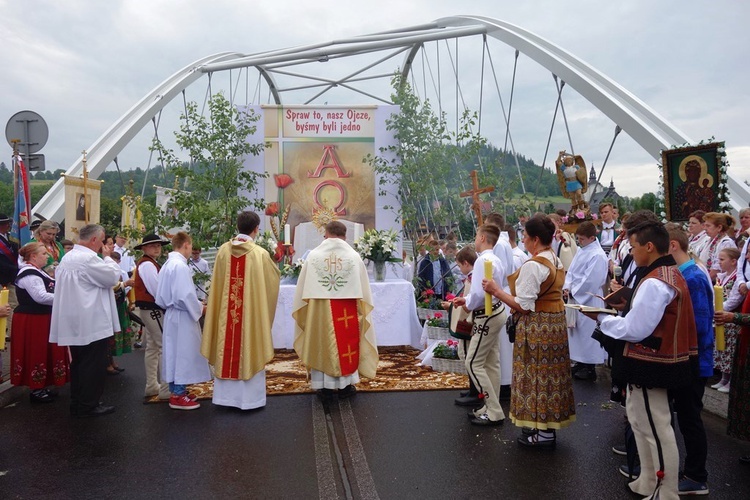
column 437, row 326
column 378, row 246
column 445, row 357
column 428, row 303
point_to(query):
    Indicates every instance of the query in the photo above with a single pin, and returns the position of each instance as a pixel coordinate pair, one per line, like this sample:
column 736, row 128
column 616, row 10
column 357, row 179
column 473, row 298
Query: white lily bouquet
column 266, row 241
column 379, row 247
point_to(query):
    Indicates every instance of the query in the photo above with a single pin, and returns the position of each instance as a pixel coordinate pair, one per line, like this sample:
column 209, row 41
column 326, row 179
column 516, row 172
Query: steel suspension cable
column 549, row 137
column 565, row 118
column 510, row 104
column 611, row 145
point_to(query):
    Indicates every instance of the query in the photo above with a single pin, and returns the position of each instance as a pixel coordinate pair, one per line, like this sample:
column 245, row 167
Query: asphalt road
column 374, row 445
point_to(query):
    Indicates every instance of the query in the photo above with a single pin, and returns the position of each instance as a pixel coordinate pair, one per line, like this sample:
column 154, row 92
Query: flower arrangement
column 579, row 216
column 266, row 241
column 428, row 300
column 446, row 350
column 437, row 320
column 292, row 270
column 377, row 245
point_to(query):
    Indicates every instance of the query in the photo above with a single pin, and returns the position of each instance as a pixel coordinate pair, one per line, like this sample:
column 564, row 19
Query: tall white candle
column 287, row 234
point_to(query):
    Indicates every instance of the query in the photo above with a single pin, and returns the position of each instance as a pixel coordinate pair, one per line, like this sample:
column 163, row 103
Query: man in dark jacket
column 434, row 272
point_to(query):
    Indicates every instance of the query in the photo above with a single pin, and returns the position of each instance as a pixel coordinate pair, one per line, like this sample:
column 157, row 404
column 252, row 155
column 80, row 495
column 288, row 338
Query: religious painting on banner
column 692, row 180
column 314, row 161
column 82, row 204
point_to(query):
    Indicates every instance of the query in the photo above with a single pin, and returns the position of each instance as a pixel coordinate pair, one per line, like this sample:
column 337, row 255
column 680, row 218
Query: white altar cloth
column 394, row 317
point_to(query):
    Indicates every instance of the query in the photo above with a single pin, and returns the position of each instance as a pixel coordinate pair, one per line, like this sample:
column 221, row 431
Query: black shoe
column 119, row 369
column 533, row 441
column 468, row 401
column 576, row 367
column 463, row 394
column 112, row 371
column 42, row 396
column 325, row 394
column 745, row 459
column 137, row 345
column 97, row 411
column 528, row 431
column 504, row 393
column 347, row 392
column 484, row 420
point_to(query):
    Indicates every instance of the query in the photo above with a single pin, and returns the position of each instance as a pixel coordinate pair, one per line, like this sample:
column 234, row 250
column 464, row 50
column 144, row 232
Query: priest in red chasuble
column 334, row 335
column 241, row 306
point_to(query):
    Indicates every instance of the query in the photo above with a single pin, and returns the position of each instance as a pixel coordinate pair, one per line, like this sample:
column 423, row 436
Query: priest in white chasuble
column 334, row 336
column 587, row 275
column 237, row 337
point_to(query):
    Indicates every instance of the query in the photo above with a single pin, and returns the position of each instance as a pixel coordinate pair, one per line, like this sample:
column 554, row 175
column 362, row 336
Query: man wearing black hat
column 8, row 263
column 146, row 281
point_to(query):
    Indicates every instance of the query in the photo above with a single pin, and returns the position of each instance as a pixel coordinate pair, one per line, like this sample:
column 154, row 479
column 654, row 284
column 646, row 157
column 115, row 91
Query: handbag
column 510, row 326
column 460, row 324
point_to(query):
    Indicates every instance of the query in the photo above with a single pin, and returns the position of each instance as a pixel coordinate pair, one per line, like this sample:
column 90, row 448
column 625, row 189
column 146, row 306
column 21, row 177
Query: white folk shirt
column 127, row 262
column 475, row 297
column 649, row 303
column 182, row 362
column 713, row 254
column 608, row 234
column 743, row 267
column 531, row 277
column 34, row 285
column 150, row 276
column 519, row 257
column 84, row 308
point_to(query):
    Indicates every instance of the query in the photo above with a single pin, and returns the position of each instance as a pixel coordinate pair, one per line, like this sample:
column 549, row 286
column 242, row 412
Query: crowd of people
column 660, row 344
column 74, row 308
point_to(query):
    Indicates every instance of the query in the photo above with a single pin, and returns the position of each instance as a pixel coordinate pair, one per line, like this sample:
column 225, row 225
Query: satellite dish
column 30, row 129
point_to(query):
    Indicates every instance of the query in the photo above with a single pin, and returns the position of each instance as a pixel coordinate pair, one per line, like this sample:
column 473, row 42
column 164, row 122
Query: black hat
column 4, row 218
column 151, row 238
column 35, row 224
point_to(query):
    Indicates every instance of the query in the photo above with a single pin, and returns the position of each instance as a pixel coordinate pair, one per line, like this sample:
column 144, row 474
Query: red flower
column 450, row 296
column 438, row 315
column 282, row 180
column 279, row 253
column 272, row 209
column 429, row 291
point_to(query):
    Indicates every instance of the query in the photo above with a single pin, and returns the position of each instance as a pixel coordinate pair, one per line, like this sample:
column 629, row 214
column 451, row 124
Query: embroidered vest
column 143, row 299
column 550, row 291
column 25, row 303
column 674, row 363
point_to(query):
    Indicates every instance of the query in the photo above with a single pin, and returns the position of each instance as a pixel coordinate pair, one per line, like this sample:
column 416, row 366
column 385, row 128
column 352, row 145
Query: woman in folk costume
column 744, row 231
column 585, row 279
column 542, row 391
column 716, row 225
column 36, row 363
column 46, row 234
column 738, row 414
column 732, row 302
column 697, row 237
column 334, row 335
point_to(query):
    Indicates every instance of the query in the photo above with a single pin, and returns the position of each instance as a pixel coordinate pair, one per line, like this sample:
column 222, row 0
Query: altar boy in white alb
column 587, row 275
column 182, row 363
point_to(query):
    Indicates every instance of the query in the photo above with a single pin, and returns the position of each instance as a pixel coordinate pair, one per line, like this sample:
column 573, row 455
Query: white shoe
column 718, row 384
column 724, row 389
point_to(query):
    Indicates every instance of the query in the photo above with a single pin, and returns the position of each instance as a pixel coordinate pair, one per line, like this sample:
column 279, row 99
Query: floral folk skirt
column 122, row 341
column 738, row 412
column 35, row 362
column 542, row 389
column 723, row 359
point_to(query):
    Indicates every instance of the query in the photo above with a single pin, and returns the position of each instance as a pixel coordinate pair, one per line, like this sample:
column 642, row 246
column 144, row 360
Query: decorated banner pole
column 3, row 321
column 487, row 296
column 719, row 306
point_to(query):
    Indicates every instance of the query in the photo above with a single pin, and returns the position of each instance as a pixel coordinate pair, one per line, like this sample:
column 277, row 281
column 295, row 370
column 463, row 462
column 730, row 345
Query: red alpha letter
column 328, row 153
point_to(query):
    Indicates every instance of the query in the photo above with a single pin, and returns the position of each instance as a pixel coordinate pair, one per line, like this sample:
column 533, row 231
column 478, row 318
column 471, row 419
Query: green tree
column 215, row 184
column 422, row 160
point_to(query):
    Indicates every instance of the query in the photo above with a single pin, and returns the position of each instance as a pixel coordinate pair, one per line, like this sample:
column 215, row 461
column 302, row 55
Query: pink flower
column 580, row 214
column 450, row 296
column 565, row 219
column 438, row 315
column 594, row 216
column 429, row 291
column 451, row 342
column 282, row 180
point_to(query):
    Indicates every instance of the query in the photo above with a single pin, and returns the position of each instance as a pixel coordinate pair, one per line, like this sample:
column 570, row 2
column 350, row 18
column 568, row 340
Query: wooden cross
column 345, row 319
column 349, row 353
column 474, row 193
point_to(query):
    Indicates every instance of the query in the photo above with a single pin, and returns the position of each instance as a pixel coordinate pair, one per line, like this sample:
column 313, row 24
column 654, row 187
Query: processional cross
column 474, row 193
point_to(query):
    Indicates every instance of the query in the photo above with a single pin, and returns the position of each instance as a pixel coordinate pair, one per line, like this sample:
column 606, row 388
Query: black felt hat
column 151, row 238
column 4, row 218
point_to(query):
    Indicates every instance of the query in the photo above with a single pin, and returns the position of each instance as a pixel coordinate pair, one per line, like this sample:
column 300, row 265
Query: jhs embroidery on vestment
column 334, row 272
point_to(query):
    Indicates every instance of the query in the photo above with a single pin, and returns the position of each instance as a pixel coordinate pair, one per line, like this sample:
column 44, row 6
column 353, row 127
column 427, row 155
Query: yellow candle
column 719, row 306
column 3, row 321
column 487, row 296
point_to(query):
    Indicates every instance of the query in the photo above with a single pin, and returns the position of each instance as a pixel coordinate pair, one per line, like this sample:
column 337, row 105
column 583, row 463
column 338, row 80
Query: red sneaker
column 183, row 403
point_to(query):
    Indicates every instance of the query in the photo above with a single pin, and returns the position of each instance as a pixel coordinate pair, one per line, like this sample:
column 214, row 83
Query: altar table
column 394, row 317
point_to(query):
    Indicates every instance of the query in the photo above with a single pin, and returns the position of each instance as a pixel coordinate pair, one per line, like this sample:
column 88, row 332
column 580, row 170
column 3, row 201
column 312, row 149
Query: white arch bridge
column 432, row 56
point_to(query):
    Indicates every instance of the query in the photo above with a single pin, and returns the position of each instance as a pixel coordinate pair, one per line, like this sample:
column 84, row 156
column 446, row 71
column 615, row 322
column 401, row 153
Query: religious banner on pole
column 82, row 201
column 21, row 232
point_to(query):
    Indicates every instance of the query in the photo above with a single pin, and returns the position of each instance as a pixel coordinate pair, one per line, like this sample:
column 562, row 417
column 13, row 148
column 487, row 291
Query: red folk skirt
column 35, row 362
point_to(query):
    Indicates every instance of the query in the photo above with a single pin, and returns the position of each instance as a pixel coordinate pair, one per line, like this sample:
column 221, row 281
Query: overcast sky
column 81, row 64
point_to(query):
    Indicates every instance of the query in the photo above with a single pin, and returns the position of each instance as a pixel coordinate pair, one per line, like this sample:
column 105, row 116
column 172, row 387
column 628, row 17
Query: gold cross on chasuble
column 346, row 330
